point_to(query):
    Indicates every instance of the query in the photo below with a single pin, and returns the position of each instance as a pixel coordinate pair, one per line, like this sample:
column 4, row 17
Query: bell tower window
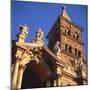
column 76, row 52
column 74, row 36
column 69, row 32
column 65, row 31
column 77, row 36
column 70, row 49
column 79, row 53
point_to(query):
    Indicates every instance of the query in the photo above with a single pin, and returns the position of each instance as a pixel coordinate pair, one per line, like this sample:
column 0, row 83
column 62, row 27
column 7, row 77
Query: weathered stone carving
column 57, row 48
column 23, row 58
column 18, row 54
column 78, row 64
column 39, row 35
column 23, row 33
column 39, row 38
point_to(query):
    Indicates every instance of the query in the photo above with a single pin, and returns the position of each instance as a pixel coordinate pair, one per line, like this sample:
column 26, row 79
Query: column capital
column 22, row 67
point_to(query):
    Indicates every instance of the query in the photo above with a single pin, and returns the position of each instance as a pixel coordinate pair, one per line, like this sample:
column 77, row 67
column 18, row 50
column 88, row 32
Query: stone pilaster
column 55, row 83
column 59, row 80
column 15, row 75
column 59, row 76
column 20, row 76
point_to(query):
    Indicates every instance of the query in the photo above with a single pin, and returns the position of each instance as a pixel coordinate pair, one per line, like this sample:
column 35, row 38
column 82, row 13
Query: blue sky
column 44, row 15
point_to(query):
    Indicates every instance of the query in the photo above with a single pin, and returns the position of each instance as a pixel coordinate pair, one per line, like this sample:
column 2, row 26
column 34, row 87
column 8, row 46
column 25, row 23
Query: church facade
column 61, row 63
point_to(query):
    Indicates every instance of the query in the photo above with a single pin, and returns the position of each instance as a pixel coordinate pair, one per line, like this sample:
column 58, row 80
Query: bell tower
column 69, row 36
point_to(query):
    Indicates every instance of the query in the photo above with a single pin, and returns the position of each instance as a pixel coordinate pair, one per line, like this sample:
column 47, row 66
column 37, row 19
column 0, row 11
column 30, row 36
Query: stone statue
column 24, row 30
column 39, row 35
column 57, row 48
column 78, row 64
column 23, row 33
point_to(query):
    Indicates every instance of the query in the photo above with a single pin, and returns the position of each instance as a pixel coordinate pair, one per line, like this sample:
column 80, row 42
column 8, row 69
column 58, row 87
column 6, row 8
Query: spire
column 64, row 13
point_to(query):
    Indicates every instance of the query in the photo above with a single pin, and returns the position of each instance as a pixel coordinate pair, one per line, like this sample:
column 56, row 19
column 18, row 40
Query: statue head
column 24, row 30
column 23, row 26
column 39, row 34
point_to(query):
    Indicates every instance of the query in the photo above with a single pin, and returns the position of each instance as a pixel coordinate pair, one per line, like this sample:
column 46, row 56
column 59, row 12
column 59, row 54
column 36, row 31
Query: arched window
column 69, row 32
column 76, row 52
column 65, row 31
column 74, row 36
column 79, row 53
column 70, row 49
column 77, row 36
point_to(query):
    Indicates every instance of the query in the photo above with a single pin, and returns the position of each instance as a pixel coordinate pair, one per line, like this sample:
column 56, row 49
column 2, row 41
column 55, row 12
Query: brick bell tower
column 65, row 40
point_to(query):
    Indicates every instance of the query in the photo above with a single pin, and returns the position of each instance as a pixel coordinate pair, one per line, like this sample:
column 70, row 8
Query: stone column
column 55, row 83
column 20, row 76
column 59, row 80
column 15, row 74
column 59, row 73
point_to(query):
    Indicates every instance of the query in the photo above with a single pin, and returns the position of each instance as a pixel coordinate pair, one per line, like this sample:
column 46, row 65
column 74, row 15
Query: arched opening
column 33, row 76
column 30, row 79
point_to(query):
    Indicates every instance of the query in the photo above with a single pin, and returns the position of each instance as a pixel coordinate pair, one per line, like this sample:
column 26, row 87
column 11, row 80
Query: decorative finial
column 63, row 7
